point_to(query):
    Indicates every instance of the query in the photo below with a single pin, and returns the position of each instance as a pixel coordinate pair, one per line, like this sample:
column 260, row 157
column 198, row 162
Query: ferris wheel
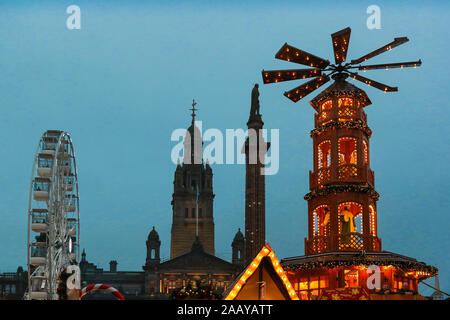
column 53, row 215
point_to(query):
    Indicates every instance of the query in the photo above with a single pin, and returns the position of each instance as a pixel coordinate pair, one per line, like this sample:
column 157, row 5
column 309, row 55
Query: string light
column 265, row 251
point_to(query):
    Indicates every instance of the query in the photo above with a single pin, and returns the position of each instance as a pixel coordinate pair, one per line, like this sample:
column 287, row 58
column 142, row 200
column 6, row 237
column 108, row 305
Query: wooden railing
column 347, row 173
column 342, row 242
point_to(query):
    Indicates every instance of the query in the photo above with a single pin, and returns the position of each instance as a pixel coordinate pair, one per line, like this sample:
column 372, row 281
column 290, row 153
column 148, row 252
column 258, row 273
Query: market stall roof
column 355, row 258
column 263, row 279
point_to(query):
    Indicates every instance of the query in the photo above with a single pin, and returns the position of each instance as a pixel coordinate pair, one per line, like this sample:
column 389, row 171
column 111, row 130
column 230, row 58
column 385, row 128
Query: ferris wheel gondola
column 53, row 215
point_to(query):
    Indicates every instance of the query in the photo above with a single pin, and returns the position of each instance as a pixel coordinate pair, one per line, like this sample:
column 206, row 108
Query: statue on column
column 254, row 110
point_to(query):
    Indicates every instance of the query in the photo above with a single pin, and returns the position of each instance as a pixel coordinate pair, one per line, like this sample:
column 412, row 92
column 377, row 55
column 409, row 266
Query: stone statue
column 254, row 110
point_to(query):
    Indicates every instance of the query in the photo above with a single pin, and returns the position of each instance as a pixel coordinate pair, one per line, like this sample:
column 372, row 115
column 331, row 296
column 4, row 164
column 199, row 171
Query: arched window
column 325, row 110
column 347, row 151
column 347, row 158
column 324, row 154
column 350, row 223
column 321, row 220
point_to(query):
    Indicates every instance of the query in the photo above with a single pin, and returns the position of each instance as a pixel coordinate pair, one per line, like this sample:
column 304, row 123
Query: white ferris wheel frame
column 57, row 258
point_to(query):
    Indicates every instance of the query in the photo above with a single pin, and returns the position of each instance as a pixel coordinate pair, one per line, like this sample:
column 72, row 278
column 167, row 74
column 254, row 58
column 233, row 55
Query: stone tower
column 255, row 149
column 153, row 244
column 192, row 196
column 238, row 246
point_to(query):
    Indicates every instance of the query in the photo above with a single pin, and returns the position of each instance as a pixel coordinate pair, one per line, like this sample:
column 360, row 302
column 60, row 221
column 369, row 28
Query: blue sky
column 125, row 81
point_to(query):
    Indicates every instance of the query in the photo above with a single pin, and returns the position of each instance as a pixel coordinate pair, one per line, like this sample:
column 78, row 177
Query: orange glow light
column 265, row 251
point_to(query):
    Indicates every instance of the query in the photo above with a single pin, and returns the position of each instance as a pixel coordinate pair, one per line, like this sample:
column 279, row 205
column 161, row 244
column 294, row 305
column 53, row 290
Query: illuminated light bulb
column 266, row 250
column 259, row 257
column 255, row 265
column 232, row 293
column 243, row 279
column 238, row 287
column 248, row 271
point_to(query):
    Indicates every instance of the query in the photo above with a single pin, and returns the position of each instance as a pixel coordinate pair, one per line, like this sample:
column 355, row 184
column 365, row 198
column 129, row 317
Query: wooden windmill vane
column 322, row 70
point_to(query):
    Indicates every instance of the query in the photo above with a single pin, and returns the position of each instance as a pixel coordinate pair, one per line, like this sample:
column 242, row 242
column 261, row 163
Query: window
column 351, row 278
column 325, row 110
column 186, row 212
column 403, row 283
column 193, row 212
column 350, row 214
column 346, row 111
column 350, row 225
column 200, row 214
column 324, row 154
column 347, row 151
column 308, row 288
column 321, row 220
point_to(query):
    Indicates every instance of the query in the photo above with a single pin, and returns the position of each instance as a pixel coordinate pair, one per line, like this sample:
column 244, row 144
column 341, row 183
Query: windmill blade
column 340, row 44
column 388, row 66
column 306, row 88
column 373, row 83
column 286, row 75
column 292, row 54
column 389, row 46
